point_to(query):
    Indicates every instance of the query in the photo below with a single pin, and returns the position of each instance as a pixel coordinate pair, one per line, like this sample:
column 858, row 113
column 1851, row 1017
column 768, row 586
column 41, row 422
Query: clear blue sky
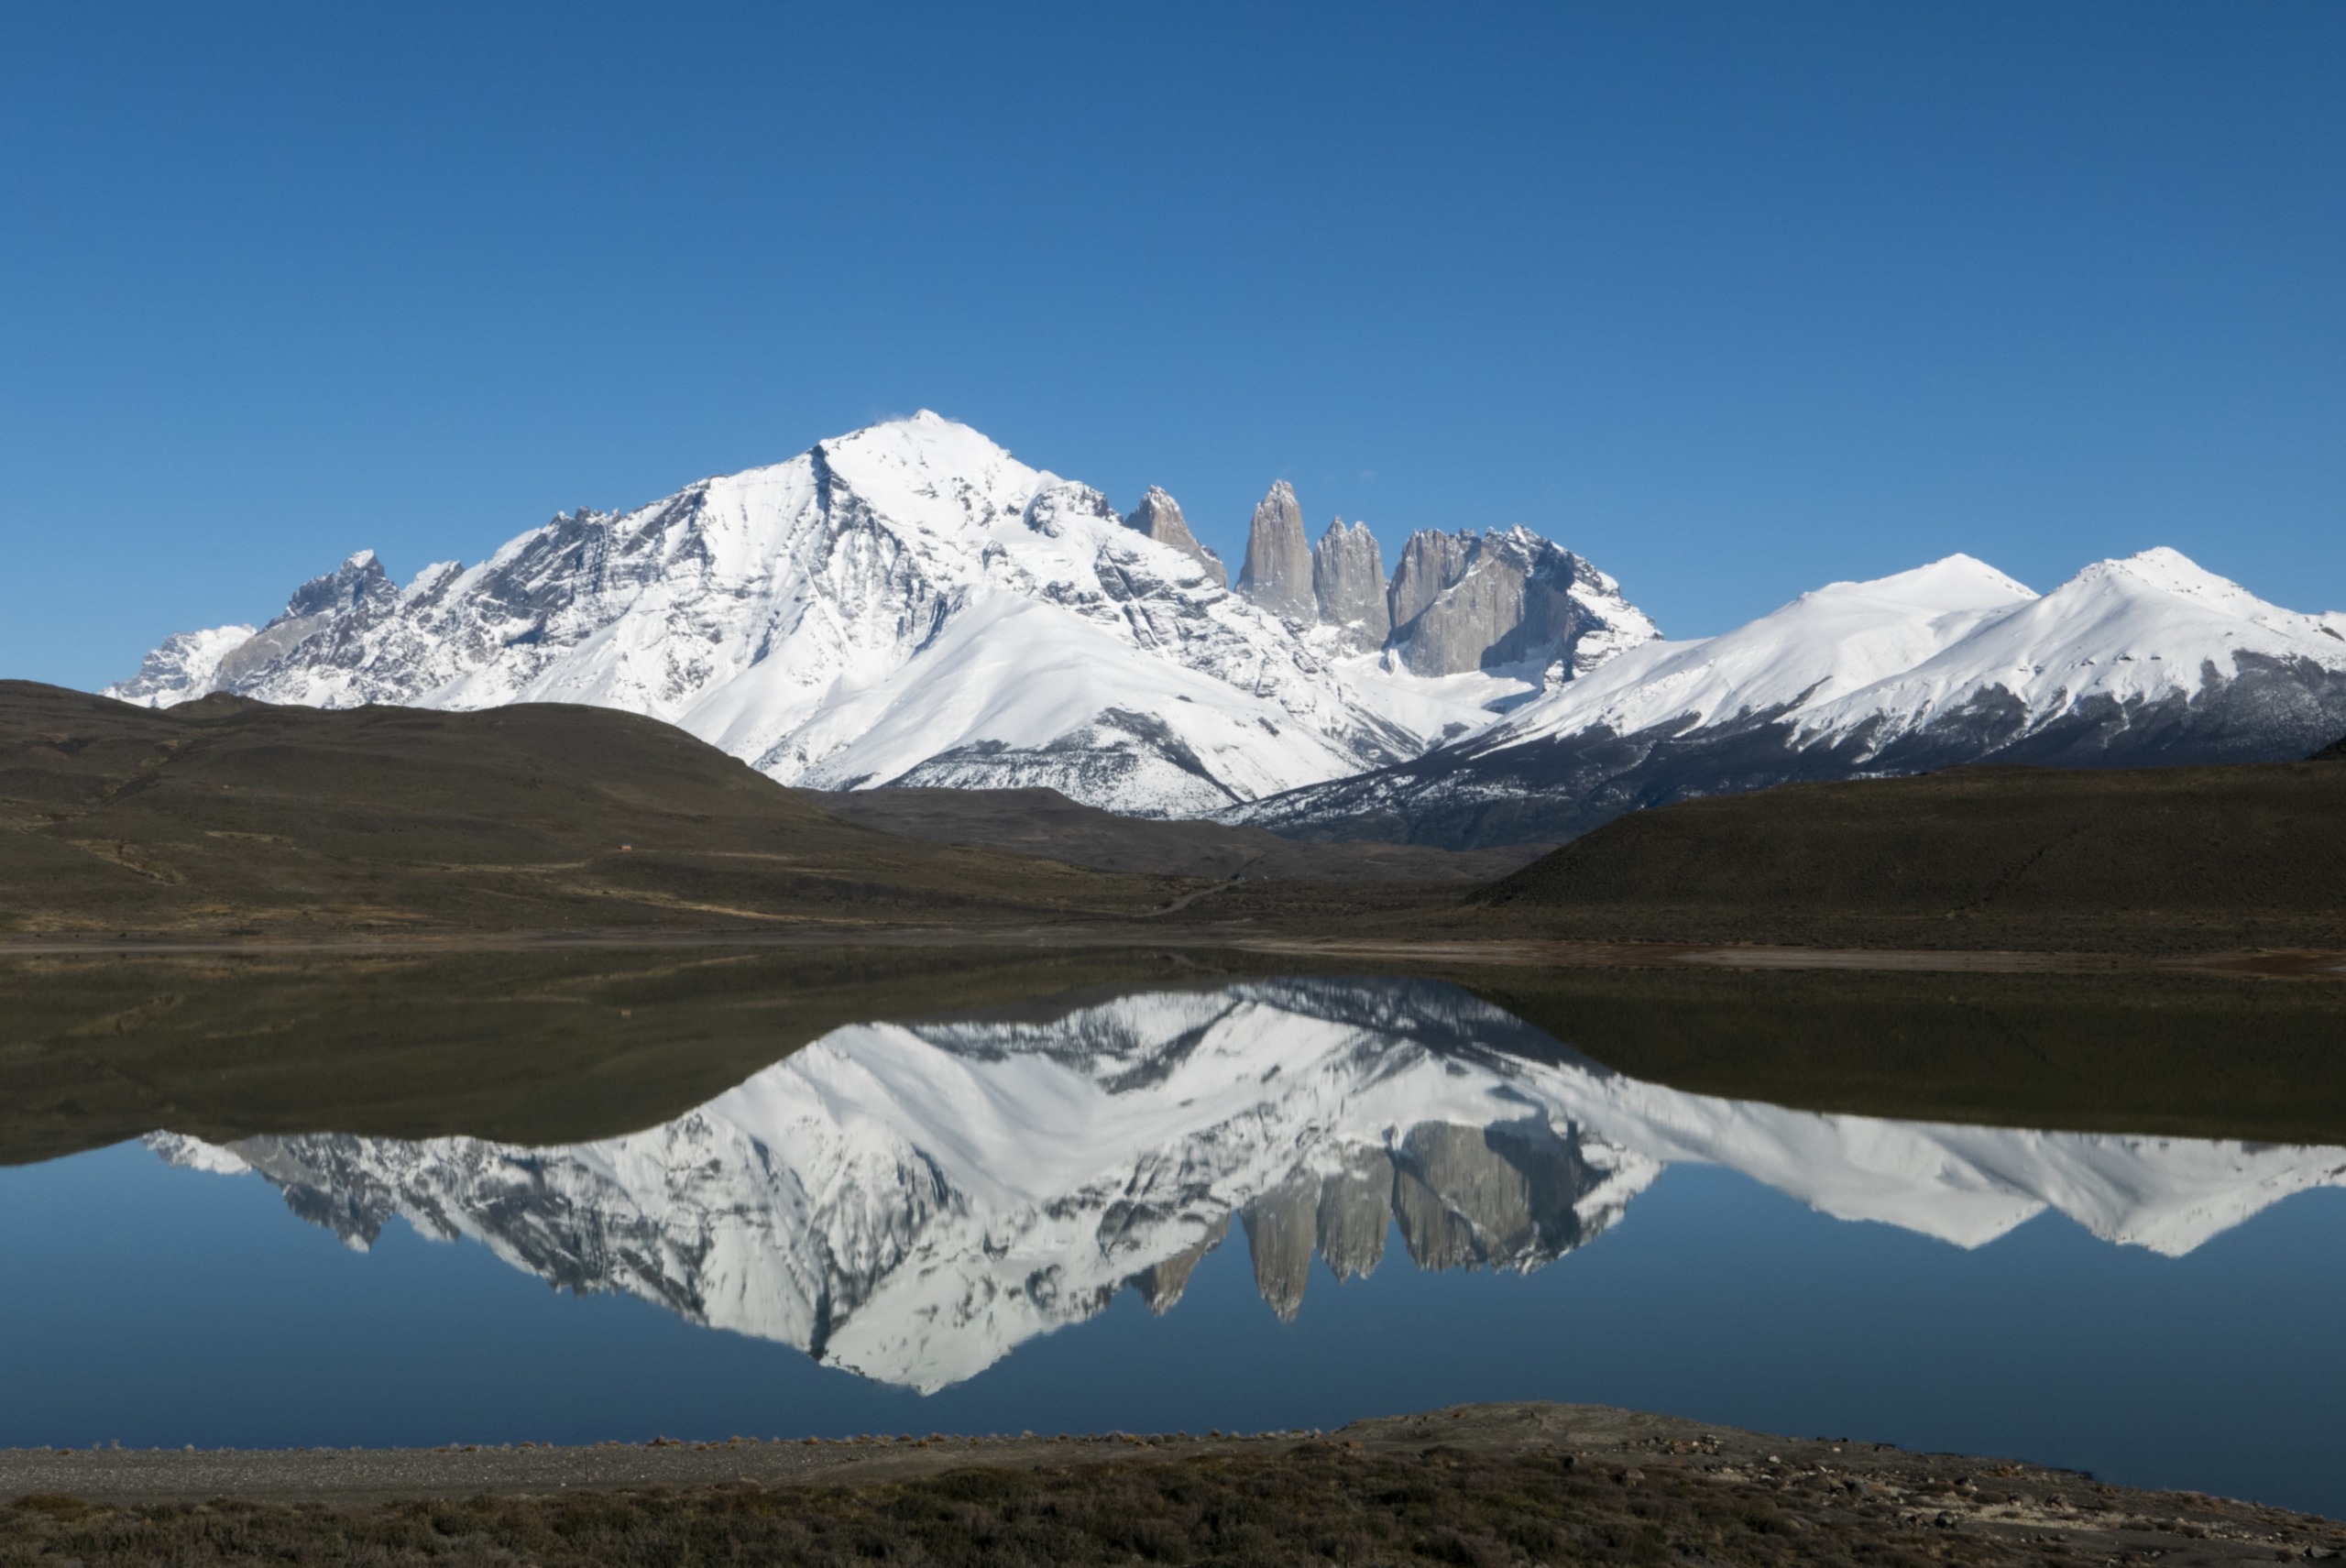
column 1734, row 299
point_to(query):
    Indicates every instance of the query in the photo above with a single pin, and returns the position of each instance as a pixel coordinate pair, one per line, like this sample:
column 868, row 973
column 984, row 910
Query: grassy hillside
column 230, row 816
column 1044, row 822
column 2156, row 858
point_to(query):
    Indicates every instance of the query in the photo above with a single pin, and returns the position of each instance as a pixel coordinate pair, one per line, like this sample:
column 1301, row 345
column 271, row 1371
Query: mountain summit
column 2149, row 660
column 909, row 604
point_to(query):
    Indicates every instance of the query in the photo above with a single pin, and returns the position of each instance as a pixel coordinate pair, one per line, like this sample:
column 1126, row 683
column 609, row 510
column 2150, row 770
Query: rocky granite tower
column 1159, row 516
column 1277, row 573
column 1348, row 583
column 1466, row 601
column 1431, row 561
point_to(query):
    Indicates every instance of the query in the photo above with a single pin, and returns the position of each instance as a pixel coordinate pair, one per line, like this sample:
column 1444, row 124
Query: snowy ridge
column 187, row 664
column 1824, row 647
column 1891, row 658
column 2145, row 661
column 908, row 604
column 914, row 1203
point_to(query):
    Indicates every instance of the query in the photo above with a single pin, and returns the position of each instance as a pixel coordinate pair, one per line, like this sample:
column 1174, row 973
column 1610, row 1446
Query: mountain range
column 2145, row 661
column 913, row 1201
column 909, row 605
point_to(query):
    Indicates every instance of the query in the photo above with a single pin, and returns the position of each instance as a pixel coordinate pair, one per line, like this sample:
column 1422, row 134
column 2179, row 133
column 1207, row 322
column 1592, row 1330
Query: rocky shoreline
column 1704, row 1491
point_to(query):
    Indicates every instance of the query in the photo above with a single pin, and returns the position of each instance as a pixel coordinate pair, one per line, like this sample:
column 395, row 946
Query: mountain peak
column 2169, row 570
column 1956, row 582
column 909, row 603
column 1160, row 516
column 1277, row 571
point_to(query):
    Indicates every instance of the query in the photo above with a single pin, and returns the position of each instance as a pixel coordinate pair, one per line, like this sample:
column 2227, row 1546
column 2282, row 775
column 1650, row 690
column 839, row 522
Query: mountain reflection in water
column 913, row 1201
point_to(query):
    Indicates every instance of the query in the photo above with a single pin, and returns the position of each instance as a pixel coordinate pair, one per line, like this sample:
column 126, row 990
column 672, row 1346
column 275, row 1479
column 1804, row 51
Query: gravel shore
column 1775, row 1489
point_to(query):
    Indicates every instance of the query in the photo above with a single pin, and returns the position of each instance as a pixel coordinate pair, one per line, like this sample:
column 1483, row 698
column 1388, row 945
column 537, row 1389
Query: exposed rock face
column 908, row 604
column 1281, row 1231
column 1161, row 1284
column 1462, row 1197
column 1159, row 516
column 2147, row 661
column 1348, row 582
column 911, row 605
column 1470, row 1197
column 1431, row 561
column 1504, row 597
column 186, row 661
column 1355, row 1210
column 354, row 596
column 1277, row 573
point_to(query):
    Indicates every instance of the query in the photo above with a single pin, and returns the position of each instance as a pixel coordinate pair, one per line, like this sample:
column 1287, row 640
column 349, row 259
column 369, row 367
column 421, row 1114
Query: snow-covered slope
column 2146, row 660
column 1823, row 648
column 908, row 604
column 915, row 1203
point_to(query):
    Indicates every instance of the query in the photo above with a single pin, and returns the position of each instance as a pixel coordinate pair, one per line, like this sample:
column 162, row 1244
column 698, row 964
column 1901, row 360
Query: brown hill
column 232, row 816
column 2178, row 858
column 1044, row 822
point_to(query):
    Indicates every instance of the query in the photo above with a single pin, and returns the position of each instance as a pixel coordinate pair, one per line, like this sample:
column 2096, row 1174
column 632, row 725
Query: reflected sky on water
column 1270, row 1205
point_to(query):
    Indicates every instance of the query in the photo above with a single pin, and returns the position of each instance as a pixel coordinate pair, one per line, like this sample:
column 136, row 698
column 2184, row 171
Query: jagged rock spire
column 1159, row 516
column 1431, row 561
column 1348, row 584
column 1281, row 1231
column 1278, row 574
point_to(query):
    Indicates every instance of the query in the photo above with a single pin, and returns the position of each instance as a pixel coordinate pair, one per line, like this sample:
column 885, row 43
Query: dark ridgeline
column 1044, row 822
column 1482, row 791
column 2180, row 858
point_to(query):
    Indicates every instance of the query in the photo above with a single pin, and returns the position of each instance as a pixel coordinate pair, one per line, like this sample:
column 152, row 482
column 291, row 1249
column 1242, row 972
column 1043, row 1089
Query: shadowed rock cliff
column 1469, row 602
column 1431, row 561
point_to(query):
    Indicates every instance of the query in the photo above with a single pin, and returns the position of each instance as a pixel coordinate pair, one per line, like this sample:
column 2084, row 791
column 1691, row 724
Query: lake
column 1262, row 1204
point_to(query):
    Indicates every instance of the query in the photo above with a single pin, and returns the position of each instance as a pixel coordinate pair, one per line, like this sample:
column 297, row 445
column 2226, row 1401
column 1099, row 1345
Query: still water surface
column 1272, row 1204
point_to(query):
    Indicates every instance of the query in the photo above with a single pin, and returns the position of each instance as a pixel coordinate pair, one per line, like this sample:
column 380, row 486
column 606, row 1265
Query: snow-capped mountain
column 913, row 1202
column 2146, row 660
column 909, row 604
